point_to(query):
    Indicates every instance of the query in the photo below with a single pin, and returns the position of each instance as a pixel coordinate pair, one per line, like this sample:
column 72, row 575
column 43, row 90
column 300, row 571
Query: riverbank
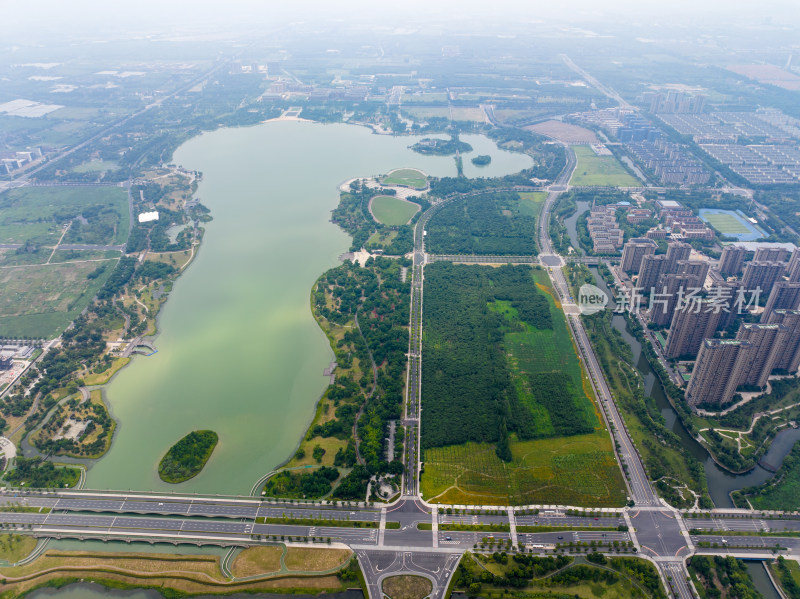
column 719, row 480
column 271, row 568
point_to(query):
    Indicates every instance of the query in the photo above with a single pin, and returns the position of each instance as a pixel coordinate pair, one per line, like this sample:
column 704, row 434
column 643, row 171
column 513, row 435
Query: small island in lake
column 440, row 147
column 481, row 160
column 186, row 458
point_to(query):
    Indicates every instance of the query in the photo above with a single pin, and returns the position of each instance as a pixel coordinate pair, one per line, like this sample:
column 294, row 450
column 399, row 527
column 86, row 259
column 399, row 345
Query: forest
column 467, row 387
column 35, row 472
column 186, row 458
column 553, row 573
column 441, row 147
column 489, row 223
column 373, row 302
column 301, row 485
column 352, row 214
column 718, row 576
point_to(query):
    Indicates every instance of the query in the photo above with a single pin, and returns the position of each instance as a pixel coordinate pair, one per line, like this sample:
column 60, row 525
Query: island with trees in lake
column 441, row 147
column 187, row 457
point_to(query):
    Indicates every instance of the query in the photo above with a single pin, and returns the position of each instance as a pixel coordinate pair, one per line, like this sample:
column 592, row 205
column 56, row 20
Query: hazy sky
column 96, row 17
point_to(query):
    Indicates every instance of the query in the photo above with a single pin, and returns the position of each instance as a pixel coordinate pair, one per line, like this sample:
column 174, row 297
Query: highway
column 418, row 541
column 659, row 532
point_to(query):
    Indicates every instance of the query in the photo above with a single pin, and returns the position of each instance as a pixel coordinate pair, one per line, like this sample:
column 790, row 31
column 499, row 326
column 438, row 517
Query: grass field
column 600, row 170
column 95, row 166
column 579, row 470
column 169, row 574
column 407, row 587
column 531, row 203
column 626, row 584
column 785, row 493
column 40, row 300
column 103, row 377
column 726, row 224
column 257, row 560
column 381, row 238
column 409, row 177
column 575, row 470
column 793, row 571
column 392, row 211
column 731, row 224
column 14, row 547
column 37, row 214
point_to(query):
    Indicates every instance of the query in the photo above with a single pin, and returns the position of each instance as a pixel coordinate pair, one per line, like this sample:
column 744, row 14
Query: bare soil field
column 570, row 134
column 770, row 74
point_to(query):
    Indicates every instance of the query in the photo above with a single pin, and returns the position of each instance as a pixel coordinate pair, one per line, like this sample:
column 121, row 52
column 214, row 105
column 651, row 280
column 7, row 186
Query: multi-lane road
column 420, row 539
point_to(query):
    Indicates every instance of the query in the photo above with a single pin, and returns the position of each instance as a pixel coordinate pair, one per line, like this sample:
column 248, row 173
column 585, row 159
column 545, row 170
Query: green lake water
column 238, row 349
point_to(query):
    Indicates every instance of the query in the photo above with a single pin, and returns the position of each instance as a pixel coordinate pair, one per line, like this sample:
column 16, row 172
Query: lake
column 238, row 349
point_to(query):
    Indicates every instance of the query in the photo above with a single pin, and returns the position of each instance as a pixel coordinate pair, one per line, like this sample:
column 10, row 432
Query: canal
column 720, row 481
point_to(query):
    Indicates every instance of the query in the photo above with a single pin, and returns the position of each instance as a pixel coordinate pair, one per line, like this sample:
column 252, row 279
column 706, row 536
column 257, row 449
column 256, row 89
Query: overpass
column 658, row 532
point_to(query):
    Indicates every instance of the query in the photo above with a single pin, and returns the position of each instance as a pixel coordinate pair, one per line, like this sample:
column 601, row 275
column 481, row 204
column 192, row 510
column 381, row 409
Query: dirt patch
column 770, row 74
column 307, row 559
column 571, row 134
column 257, row 560
column 407, row 587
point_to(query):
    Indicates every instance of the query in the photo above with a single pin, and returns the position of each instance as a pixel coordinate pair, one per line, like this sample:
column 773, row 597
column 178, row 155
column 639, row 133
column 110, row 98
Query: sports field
column 603, row 171
column 392, row 211
column 410, row 177
column 731, row 224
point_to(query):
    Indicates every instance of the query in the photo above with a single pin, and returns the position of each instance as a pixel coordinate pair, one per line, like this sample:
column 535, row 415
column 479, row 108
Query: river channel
column 85, row 590
column 720, row 482
column 238, row 349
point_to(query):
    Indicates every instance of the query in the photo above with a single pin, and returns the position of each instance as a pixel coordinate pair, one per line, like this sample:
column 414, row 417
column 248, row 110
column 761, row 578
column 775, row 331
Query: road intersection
column 410, row 536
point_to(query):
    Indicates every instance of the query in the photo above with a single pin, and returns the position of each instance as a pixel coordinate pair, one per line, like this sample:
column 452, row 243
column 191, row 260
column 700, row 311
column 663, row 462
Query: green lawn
column 531, row 202
column 99, row 215
column 409, row 177
column 381, row 238
column 726, row 224
column 785, row 493
column 600, row 170
column 392, row 211
column 95, row 166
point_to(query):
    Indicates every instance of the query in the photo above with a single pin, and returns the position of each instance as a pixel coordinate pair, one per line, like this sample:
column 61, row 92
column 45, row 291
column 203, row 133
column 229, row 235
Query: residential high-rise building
column 650, row 272
column 676, row 251
column 766, row 341
column 784, row 294
column 726, row 295
column 762, row 276
column 731, row 262
column 793, row 270
column 691, row 324
column 771, row 254
column 669, row 290
column 788, row 357
column 635, row 249
column 698, row 268
column 715, row 375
